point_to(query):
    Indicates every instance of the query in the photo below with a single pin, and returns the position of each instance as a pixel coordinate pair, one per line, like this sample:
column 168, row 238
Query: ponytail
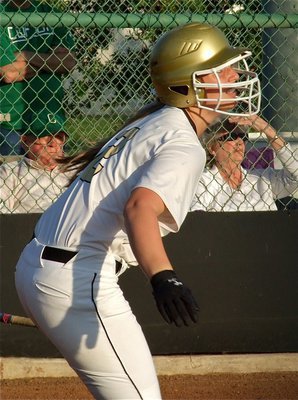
column 79, row 161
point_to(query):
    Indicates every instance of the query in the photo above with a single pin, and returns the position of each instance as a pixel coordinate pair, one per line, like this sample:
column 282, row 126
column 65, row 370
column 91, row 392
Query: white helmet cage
column 247, row 88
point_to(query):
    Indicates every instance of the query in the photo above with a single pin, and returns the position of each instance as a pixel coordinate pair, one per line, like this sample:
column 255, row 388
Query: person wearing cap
column 226, row 186
column 32, row 183
column 49, row 55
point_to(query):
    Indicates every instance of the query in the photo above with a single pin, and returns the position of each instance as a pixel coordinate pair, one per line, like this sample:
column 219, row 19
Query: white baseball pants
column 80, row 307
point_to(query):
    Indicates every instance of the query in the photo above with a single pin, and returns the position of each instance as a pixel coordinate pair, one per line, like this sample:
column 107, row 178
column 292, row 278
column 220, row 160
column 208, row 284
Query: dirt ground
column 260, row 386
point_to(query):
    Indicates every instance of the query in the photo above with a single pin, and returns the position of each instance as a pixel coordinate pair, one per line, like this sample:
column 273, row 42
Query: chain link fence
column 110, row 80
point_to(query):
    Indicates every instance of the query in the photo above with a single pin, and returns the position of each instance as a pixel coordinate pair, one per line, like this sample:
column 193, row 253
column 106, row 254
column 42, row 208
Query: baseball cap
column 44, row 123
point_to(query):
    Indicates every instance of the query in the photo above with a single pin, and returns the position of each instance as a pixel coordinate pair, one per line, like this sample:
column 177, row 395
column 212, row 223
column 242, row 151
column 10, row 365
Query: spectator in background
column 227, row 186
column 32, row 183
column 12, row 70
column 49, row 54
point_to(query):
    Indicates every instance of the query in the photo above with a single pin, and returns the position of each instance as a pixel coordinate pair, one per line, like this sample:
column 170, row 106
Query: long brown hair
column 77, row 162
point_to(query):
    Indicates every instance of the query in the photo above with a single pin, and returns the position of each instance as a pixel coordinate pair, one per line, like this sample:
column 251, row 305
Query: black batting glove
column 174, row 300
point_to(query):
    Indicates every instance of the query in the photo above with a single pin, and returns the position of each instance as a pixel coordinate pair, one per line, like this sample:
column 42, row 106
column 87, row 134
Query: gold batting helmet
column 183, row 54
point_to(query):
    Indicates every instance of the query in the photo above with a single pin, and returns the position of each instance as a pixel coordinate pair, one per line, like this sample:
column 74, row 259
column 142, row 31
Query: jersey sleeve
column 173, row 174
column 284, row 182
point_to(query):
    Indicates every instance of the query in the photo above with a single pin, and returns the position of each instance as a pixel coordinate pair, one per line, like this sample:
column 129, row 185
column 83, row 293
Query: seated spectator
column 32, row 183
column 226, row 186
column 48, row 55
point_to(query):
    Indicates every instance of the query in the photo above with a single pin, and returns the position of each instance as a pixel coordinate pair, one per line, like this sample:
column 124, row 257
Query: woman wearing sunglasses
column 226, row 186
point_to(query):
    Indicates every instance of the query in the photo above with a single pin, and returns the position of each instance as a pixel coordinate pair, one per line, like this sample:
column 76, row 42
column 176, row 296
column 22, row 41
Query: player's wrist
column 162, row 276
column 277, row 140
column 273, row 138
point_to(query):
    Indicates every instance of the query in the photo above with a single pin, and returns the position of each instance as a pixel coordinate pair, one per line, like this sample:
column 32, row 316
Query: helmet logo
column 190, row 47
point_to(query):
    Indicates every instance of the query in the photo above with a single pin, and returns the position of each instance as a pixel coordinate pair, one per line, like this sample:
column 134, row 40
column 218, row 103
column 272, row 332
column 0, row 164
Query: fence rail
column 125, row 20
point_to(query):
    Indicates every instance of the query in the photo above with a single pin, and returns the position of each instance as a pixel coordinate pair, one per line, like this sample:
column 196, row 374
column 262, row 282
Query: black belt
column 59, row 255
column 63, row 256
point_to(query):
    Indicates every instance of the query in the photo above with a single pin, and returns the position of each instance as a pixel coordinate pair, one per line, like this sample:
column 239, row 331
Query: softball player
column 136, row 188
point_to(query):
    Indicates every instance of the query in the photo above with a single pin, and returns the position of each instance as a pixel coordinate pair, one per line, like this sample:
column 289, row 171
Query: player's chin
column 50, row 162
column 227, row 105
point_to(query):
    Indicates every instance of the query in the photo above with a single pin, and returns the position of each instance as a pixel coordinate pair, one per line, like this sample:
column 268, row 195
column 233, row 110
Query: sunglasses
column 231, row 132
column 233, row 136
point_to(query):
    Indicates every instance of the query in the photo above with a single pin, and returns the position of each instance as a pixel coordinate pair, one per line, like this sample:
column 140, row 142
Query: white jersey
column 149, row 153
column 25, row 187
column 258, row 191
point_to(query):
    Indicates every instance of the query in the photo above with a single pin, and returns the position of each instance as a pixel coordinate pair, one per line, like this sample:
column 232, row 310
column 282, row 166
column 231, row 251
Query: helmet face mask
column 187, row 52
column 247, row 90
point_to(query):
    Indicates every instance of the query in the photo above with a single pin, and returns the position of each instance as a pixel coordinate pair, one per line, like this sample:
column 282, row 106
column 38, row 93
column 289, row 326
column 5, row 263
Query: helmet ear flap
column 184, row 90
column 182, row 93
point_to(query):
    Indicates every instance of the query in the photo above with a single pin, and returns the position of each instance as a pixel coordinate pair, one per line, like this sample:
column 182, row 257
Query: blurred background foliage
column 111, row 79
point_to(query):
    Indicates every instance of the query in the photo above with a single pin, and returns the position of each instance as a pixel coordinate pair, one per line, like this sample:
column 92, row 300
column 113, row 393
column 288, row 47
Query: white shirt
column 160, row 152
column 258, row 191
column 25, row 187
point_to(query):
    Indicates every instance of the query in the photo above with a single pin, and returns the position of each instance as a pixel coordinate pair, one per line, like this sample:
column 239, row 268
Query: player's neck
column 201, row 118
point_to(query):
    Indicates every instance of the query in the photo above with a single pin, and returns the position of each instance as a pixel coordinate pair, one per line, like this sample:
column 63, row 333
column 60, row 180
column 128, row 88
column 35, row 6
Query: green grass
column 87, row 130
